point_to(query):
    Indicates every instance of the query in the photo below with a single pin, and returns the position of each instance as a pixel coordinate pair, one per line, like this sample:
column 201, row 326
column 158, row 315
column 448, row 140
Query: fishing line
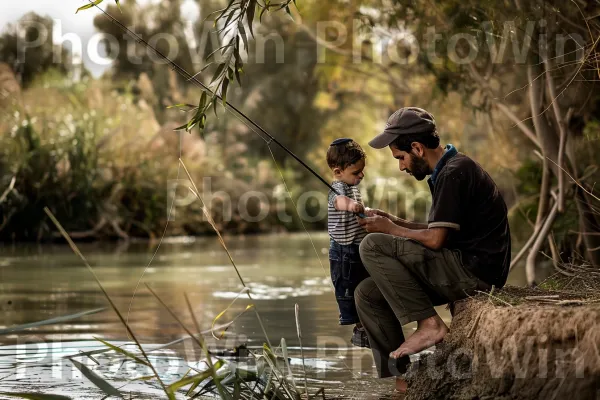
column 189, row 77
column 159, row 242
column 236, row 113
column 299, row 217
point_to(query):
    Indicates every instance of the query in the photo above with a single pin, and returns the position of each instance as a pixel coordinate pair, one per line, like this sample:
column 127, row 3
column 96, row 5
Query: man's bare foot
column 401, row 385
column 429, row 331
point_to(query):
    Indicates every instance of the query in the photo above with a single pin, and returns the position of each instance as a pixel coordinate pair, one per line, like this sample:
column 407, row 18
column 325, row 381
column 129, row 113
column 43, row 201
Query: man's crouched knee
column 369, row 243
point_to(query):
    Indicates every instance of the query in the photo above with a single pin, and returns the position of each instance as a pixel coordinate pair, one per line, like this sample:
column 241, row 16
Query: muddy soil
column 516, row 343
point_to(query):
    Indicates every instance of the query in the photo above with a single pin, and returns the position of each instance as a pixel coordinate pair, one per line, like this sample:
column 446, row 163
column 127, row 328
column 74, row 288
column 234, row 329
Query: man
column 464, row 247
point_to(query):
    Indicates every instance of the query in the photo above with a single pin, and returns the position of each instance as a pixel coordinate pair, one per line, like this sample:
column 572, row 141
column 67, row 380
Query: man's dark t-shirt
column 467, row 201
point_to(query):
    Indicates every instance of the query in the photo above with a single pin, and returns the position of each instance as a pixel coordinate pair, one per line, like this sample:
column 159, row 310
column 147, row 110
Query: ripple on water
column 262, row 291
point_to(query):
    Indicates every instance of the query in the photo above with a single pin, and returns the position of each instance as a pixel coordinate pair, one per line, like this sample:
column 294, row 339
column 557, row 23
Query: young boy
column 347, row 161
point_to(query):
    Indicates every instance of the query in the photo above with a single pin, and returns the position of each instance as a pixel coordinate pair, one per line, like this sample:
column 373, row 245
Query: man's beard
column 418, row 167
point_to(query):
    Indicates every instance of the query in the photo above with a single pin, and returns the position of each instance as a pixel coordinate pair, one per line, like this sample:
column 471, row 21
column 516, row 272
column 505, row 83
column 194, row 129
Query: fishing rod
column 190, row 77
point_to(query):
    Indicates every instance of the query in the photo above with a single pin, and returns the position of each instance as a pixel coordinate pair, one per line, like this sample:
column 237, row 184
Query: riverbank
column 519, row 343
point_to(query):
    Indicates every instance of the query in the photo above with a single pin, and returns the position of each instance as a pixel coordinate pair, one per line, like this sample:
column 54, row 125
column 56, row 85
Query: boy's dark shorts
column 347, row 271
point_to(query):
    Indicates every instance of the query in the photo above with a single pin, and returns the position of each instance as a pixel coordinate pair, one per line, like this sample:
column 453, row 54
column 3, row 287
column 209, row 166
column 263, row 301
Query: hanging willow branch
column 230, row 22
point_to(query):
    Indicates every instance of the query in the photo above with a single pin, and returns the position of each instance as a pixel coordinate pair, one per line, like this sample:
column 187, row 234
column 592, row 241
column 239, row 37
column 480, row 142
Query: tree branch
column 8, row 189
column 544, row 192
column 503, row 107
column 537, row 244
column 563, row 135
column 545, row 136
column 556, row 260
column 518, row 122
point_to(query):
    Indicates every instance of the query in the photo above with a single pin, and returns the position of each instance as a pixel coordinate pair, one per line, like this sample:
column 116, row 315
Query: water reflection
column 39, row 282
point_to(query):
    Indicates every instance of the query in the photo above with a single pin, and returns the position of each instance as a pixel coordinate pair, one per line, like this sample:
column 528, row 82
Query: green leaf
column 193, row 122
column 212, row 13
column 180, row 106
column 36, row 396
column 242, row 31
column 182, row 127
column 119, row 4
column 50, row 321
column 202, row 104
column 224, row 11
column 265, row 9
column 196, row 378
column 224, row 91
column 193, row 387
column 123, row 352
column 229, row 19
column 237, row 75
column 269, row 355
column 220, row 48
column 214, row 102
column 106, row 387
column 218, row 73
column 250, row 15
column 90, row 5
column 238, row 62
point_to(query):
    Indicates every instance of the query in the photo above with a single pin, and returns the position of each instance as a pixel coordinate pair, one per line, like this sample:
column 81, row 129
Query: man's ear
column 418, row 148
column 337, row 170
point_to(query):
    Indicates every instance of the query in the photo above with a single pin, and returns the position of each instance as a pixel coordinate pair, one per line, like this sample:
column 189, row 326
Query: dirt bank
column 516, row 344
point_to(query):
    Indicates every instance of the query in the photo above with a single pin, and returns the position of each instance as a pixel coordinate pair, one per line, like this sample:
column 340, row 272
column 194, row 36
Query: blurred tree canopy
column 28, row 62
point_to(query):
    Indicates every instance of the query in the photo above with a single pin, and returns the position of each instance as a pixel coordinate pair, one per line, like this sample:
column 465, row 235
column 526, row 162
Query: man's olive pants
column 407, row 280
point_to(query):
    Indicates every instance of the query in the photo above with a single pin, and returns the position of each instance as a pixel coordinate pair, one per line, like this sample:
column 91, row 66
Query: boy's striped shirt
column 342, row 225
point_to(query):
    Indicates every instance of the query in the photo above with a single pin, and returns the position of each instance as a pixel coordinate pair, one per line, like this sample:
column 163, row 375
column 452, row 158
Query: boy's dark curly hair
column 344, row 154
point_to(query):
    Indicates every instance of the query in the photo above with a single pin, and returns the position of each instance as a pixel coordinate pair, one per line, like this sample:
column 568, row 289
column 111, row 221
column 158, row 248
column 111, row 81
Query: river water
column 39, row 282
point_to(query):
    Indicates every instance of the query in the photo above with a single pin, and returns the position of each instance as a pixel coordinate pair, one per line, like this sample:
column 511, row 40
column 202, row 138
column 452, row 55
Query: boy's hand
column 358, row 208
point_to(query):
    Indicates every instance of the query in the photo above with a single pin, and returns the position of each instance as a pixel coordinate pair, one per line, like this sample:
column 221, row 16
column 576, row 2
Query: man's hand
column 377, row 224
column 371, row 212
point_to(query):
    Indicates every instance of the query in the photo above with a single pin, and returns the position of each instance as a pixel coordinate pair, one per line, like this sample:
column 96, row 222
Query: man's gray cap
column 407, row 120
